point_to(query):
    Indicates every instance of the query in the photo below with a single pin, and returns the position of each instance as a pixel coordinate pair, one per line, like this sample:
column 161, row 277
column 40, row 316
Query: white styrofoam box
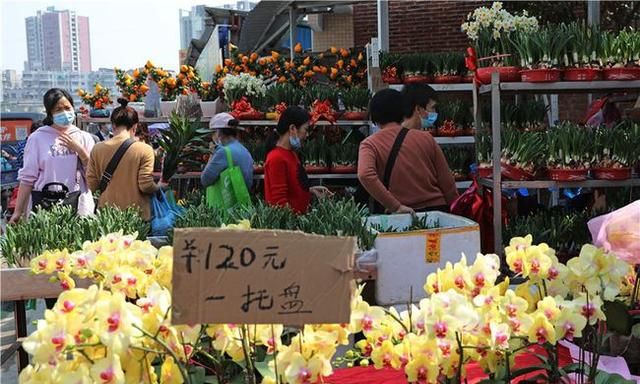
column 403, row 264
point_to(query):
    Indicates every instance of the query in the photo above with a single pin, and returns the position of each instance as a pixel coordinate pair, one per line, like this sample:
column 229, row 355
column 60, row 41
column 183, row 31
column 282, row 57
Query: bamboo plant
column 569, row 147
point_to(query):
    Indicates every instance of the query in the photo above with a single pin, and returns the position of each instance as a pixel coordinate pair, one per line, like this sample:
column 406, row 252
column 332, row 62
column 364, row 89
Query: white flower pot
column 138, row 107
column 166, row 107
column 209, row 108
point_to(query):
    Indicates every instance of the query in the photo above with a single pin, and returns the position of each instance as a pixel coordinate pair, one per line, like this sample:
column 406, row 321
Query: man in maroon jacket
column 403, row 167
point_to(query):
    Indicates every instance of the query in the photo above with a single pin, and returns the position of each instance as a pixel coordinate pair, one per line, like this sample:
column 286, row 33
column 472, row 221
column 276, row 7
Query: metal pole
column 383, row 25
column 497, row 171
column 293, row 21
column 593, row 18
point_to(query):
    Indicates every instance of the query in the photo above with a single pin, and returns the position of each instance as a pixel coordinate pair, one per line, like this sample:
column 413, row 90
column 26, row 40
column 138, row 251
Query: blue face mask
column 295, row 142
column 428, row 121
column 64, row 118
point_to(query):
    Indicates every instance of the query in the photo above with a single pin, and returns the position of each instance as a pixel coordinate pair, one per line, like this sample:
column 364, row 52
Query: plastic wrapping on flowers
column 119, row 331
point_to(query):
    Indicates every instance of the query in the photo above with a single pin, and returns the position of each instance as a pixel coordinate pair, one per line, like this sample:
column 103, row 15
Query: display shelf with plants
column 448, row 67
column 355, row 102
column 541, row 53
column 483, row 154
column 582, row 59
column 455, row 119
column 521, row 154
column 615, row 153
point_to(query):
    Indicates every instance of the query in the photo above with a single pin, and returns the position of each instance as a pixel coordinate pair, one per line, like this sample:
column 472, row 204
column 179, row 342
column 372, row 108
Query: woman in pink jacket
column 56, row 152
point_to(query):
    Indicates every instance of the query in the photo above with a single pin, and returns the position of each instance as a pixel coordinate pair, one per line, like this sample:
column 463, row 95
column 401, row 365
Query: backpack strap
column 393, row 156
column 113, row 164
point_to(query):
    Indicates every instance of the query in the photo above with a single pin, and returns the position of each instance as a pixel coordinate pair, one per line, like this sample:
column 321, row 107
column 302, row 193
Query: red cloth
column 282, row 180
column 370, row 375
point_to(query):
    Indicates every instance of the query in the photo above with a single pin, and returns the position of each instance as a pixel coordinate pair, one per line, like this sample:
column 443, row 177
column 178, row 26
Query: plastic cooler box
column 405, row 259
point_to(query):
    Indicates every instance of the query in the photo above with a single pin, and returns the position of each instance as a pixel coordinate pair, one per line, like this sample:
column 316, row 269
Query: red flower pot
column 467, row 79
column 354, row 116
column 568, row 174
column 515, row 173
column 611, row 173
column 447, row 132
column 485, row 172
column 450, row 79
column 315, row 169
column 507, row 74
column 540, row 75
column 460, row 177
column 256, row 115
column 421, row 79
column 391, row 80
column 342, row 169
column 468, row 131
column 581, row 74
column 258, row 169
column 631, row 73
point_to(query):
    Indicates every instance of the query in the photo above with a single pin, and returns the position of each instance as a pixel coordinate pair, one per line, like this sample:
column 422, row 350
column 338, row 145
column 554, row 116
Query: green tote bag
column 230, row 189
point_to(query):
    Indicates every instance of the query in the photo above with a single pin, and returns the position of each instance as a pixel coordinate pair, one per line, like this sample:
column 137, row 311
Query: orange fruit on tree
column 245, row 59
column 144, row 88
column 133, row 97
column 282, row 79
column 149, row 64
column 340, row 63
column 254, row 57
column 353, row 63
column 316, row 69
column 262, row 61
column 360, row 57
column 218, row 68
column 184, row 68
column 136, row 73
column 275, row 55
column 306, row 61
column 297, row 48
column 228, row 62
column 324, row 70
column 334, row 71
column 333, row 50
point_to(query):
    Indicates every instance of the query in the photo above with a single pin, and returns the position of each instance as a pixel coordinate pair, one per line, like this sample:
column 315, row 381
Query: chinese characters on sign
column 254, row 277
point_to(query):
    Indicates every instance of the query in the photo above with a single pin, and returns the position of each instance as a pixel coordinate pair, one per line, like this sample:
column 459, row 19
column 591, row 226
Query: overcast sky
column 124, row 33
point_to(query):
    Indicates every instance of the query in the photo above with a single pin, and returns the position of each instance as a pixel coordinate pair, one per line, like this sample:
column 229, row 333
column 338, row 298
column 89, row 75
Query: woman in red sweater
column 285, row 180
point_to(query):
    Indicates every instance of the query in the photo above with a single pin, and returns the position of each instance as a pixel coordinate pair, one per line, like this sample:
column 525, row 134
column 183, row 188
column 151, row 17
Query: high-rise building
column 192, row 25
column 58, row 40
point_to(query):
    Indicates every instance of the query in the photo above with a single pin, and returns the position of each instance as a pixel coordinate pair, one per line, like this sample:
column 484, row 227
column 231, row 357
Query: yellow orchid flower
column 107, row 370
column 541, row 331
column 170, row 372
column 385, row 356
column 549, row 308
column 422, row 369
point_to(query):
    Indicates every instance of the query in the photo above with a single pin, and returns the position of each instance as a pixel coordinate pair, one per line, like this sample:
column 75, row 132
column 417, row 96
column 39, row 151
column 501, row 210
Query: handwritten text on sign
column 260, row 277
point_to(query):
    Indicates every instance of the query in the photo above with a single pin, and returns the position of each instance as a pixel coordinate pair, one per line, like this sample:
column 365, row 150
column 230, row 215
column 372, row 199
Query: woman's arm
column 216, row 164
column 146, row 184
column 24, row 192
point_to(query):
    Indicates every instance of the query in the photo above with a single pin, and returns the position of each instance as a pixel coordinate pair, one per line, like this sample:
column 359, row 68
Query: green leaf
column 197, row 375
column 618, row 318
column 263, row 368
column 611, row 378
column 524, row 371
column 211, row 380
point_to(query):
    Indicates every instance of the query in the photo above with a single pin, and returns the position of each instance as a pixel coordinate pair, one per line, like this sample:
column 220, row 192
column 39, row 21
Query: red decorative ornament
column 471, row 62
column 280, row 108
column 322, row 110
column 243, row 110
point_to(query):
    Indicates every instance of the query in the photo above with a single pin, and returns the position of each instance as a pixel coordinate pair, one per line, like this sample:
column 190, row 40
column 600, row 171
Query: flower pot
column 166, row 107
column 356, row 115
column 581, row 74
column 468, row 131
column 271, row 116
column 507, row 74
column 631, row 73
column 99, row 112
column 515, row 173
column 485, row 172
column 568, row 174
column 315, row 169
column 611, row 173
column 540, row 75
column 342, row 169
column 460, row 176
column 255, row 115
column 209, row 108
column 413, row 79
column 467, row 79
column 258, row 169
column 448, row 79
column 391, row 80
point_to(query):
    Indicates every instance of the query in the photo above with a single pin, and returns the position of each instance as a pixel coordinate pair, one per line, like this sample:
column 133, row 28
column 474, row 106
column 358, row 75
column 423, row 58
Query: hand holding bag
column 48, row 197
column 164, row 217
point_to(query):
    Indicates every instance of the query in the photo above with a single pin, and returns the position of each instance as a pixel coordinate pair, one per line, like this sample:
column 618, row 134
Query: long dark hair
column 293, row 115
column 123, row 115
column 50, row 99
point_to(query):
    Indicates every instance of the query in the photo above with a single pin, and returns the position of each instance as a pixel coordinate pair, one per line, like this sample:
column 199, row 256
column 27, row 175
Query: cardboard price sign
column 260, row 277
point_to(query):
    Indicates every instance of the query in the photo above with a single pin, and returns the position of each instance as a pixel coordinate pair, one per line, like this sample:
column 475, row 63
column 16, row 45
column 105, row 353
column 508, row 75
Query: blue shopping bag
column 164, row 214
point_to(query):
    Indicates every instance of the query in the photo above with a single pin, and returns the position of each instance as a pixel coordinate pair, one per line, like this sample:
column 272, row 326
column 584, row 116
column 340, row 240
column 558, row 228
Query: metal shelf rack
column 495, row 90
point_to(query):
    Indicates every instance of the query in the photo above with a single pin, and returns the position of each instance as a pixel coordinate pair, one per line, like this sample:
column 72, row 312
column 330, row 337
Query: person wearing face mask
column 285, row 180
column 58, row 152
column 129, row 182
column 401, row 166
column 226, row 135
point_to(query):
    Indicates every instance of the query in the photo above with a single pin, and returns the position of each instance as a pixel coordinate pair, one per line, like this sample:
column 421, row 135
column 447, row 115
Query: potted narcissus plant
column 356, row 101
column 315, row 153
column 521, row 154
column 582, row 54
column 540, row 53
column 279, row 97
column 344, row 157
column 456, row 118
column 448, row 67
column 240, row 92
column 416, row 67
column 459, row 160
column 489, row 30
column 569, row 152
column 621, row 55
column 391, row 66
column 615, row 153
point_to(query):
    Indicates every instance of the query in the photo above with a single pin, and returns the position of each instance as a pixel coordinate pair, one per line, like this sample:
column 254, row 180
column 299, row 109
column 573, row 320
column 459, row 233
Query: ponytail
column 293, row 115
column 124, row 115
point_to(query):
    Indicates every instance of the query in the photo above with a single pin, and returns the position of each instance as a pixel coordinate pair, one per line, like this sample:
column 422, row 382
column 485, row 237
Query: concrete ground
column 9, row 370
